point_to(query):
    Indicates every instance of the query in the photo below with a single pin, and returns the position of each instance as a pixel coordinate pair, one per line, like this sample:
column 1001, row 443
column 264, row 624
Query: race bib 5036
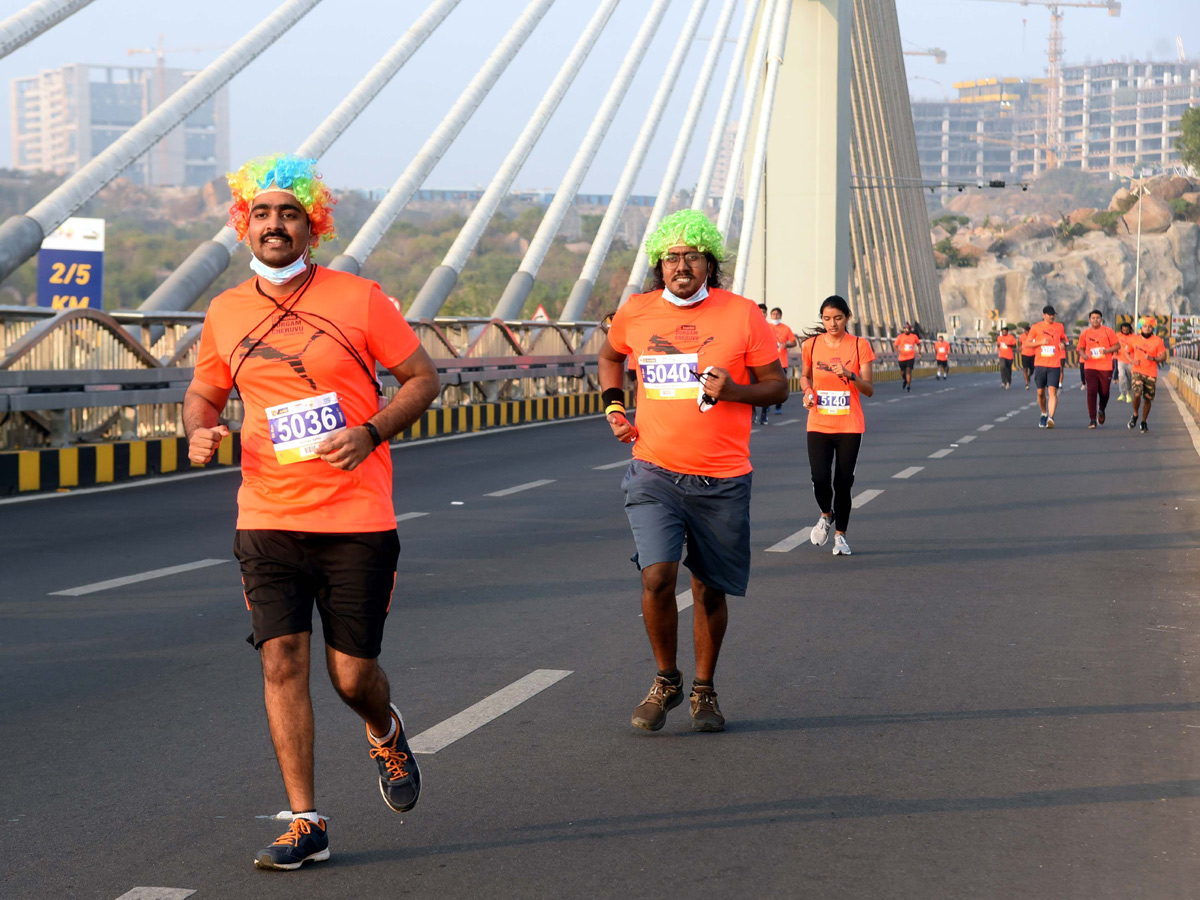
column 671, row 376
column 299, row 427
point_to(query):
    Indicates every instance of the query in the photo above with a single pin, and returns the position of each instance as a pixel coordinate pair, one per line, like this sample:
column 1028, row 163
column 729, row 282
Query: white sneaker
column 840, row 547
column 820, row 533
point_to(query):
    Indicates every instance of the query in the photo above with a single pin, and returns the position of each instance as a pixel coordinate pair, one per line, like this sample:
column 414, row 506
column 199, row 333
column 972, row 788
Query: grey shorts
column 711, row 514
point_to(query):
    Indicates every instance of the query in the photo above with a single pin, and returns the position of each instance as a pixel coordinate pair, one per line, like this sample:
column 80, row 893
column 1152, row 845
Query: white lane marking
column 156, row 893
column 516, row 489
column 862, row 499
column 491, row 707
column 124, row 486
column 909, row 472
column 404, row 517
column 940, row 454
column 791, row 542
column 684, row 600
column 872, row 403
column 786, row 422
column 1001, row 419
column 1188, row 421
column 985, row 427
column 134, row 579
column 755, row 430
column 967, row 438
column 1013, row 412
column 895, row 400
column 615, row 465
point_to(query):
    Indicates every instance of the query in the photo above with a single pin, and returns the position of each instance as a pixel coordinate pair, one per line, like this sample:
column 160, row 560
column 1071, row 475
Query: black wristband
column 853, row 377
column 612, row 395
column 376, row 438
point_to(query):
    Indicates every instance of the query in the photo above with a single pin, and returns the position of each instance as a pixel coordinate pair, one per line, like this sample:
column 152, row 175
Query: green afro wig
column 688, row 227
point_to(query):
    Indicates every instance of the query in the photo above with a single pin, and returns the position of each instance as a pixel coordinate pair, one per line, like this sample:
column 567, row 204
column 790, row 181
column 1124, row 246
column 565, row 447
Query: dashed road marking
column 967, row 438
column 862, row 499
column 684, row 600
column 486, row 710
column 404, row 517
column 134, row 579
column 1001, row 419
column 985, row 427
column 909, row 472
column 615, row 465
column 791, row 542
column 895, row 400
column 156, row 893
column 516, row 489
column 786, row 422
column 939, row 454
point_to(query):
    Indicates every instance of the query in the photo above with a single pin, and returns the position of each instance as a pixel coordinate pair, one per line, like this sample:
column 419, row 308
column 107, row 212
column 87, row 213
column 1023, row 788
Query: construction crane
column 939, row 55
column 1055, row 54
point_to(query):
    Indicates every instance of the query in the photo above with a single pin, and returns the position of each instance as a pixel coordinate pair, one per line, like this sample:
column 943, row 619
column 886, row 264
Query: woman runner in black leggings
column 835, row 370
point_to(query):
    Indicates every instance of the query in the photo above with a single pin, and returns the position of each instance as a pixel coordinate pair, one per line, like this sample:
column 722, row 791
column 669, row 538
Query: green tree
column 1188, row 142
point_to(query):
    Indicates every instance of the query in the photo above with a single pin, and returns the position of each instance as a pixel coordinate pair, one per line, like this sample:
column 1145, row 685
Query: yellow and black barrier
column 90, row 465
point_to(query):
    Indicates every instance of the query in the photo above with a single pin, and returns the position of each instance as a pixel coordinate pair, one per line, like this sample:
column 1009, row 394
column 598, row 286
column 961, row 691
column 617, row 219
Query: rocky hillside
column 992, row 257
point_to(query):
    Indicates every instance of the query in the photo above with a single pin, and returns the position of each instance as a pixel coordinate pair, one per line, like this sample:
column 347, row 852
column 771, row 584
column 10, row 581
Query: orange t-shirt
column 1125, row 354
column 724, row 330
column 1144, row 351
column 783, row 335
column 1027, row 347
column 301, row 357
column 906, row 347
column 838, row 409
column 1048, row 355
column 1092, row 343
column 1005, row 344
column 942, row 350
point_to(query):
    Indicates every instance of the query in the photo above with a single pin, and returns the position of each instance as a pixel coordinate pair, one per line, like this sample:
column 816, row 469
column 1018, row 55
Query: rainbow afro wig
column 689, row 228
column 291, row 174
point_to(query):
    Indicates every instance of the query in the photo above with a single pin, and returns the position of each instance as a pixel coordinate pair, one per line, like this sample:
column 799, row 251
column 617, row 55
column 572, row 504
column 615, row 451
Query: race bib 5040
column 299, row 427
column 671, row 376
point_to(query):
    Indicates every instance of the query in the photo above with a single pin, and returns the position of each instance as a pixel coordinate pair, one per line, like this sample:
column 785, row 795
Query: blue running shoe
column 399, row 777
column 304, row 841
column 1042, row 421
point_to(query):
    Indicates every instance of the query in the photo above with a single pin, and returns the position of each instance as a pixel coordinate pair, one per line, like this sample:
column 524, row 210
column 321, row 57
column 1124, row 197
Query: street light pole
column 1137, row 270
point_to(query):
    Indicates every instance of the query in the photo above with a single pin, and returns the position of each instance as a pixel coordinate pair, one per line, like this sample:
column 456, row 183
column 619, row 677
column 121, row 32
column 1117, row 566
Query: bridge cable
column 22, row 27
column 441, row 281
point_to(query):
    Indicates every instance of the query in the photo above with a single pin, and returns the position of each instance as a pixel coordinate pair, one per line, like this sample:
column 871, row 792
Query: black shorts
column 1044, row 376
column 350, row 577
column 1027, row 363
column 944, row 364
column 906, row 364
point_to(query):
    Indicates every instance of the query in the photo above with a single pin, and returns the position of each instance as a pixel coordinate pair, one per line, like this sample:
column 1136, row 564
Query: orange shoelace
column 393, row 759
column 295, row 830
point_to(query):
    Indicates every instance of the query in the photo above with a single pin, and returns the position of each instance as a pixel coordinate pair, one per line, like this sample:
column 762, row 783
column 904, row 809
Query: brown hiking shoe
column 664, row 695
column 706, row 715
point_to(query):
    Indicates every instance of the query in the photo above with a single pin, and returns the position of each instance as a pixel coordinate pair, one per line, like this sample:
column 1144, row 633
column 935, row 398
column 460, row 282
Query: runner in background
column 1125, row 363
column 1025, row 343
column 1005, row 346
column 1149, row 352
column 835, row 368
column 1096, row 346
column 761, row 416
column 908, row 348
column 941, row 350
column 786, row 339
column 1048, row 338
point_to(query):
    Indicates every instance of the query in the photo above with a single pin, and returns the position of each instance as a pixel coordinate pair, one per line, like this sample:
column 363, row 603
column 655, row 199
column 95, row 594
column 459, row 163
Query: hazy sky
column 282, row 96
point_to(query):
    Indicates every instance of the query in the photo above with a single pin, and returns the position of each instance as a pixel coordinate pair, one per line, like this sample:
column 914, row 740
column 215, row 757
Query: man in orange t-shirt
column 1006, row 347
column 785, row 338
column 941, row 352
column 1048, row 338
column 316, row 524
column 1025, row 342
column 1149, row 352
column 697, row 348
column 1096, row 347
column 908, row 348
column 1125, row 362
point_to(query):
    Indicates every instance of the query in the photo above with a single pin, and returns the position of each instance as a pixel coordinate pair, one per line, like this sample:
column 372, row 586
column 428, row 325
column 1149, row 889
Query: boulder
column 1192, row 197
column 1081, row 216
column 1155, row 214
column 1168, row 187
column 1122, row 199
column 938, row 234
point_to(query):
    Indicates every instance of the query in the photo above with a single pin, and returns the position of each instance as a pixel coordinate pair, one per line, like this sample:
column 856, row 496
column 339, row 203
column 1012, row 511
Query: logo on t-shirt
column 255, row 349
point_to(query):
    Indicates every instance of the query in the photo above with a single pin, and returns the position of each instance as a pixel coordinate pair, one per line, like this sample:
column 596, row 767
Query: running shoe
column 820, row 532
column 304, row 841
column 1026, row 387
column 1042, row 421
column 1133, row 422
column 399, row 776
column 1049, row 422
column 840, row 547
column 1100, row 417
column 664, row 696
column 706, row 714
column 1083, row 387
column 1145, row 428
column 1091, row 423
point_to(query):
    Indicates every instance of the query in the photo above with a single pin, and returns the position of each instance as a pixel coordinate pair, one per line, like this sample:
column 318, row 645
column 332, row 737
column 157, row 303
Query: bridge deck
column 996, row 696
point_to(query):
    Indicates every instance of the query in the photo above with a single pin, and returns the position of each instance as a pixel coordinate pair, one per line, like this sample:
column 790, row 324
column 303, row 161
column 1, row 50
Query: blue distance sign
column 71, row 265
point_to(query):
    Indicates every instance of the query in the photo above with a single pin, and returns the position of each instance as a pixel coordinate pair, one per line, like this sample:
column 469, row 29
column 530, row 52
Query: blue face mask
column 690, row 301
column 279, row 276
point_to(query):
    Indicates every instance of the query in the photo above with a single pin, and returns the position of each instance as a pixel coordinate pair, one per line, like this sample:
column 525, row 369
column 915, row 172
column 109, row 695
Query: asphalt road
column 996, row 696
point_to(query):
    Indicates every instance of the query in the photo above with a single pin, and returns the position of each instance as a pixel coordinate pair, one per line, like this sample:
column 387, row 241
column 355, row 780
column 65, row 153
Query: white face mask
column 690, row 301
column 279, row 276
column 775, row 320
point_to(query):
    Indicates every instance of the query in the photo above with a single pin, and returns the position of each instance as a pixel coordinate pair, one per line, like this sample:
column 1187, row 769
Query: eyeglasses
column 693, row 258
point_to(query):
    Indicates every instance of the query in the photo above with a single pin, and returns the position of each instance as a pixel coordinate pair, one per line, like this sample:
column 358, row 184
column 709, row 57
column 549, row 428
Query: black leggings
column 832, row 458
column 1005, row 370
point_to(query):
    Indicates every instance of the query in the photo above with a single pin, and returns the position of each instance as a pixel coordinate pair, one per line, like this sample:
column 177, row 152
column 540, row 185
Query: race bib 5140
column 299, row 427
column 833, row 403
column 671, row 376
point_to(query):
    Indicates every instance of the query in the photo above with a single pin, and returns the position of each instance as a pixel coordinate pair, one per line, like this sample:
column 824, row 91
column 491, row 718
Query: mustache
column 276, row 234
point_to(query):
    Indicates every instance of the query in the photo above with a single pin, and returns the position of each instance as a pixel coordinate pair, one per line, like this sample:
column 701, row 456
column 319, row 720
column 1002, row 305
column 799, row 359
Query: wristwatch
column 376, row 438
